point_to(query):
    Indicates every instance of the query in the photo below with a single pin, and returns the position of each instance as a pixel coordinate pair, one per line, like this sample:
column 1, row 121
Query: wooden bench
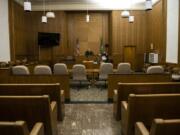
column 53, row 90
column 114, row 79
column 145, row 108
column 124, row 89
column 159, row 127
column 31, row 109
column 62, row 79
column 20, row 128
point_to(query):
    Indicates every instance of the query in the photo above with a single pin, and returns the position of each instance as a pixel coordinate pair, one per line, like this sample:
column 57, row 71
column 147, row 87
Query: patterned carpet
column 91, row 94
column 89, row 119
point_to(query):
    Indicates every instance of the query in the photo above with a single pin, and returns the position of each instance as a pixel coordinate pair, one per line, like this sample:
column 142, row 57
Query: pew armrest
column 62, row 106
column 54, row 117
column 124, row 117
column 124, row 105
column 54, row 108
column 53, row 105
column 62, row 96
column 115, row 96
column 140, row 129
column 115, row 105
column 38, row 129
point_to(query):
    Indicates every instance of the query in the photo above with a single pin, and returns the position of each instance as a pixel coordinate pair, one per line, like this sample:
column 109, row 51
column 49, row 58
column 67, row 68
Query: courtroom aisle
column 89, row 119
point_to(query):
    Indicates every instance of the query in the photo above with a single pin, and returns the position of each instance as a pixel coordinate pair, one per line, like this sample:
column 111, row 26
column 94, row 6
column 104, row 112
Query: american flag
column 77, row 48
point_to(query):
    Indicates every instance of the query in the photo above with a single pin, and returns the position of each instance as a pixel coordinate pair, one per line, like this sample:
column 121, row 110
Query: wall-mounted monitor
column 48, row 39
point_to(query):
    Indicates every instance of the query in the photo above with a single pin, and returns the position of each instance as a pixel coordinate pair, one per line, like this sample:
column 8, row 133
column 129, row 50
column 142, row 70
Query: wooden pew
column 53, row 90
column 124, row 89
column 20, row 128
column 62, row 79
column 5, row 71
column 145, row 108
column 31, row 109
column 159, row 127
column 114, row 79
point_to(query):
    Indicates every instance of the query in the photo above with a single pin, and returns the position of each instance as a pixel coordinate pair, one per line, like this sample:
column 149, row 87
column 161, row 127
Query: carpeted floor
column 91, row 94
column 89, row 119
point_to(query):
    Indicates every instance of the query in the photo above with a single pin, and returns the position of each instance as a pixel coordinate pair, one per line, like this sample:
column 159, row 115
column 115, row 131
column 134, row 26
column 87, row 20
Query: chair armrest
column 124, row 117
column 140, row 129
column 38, row 129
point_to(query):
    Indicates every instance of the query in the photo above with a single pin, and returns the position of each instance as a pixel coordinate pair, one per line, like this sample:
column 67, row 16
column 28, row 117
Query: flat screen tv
column 48, row 39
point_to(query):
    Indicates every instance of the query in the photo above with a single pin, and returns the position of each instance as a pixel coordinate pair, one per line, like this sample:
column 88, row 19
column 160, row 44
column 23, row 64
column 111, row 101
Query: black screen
column 48, row 39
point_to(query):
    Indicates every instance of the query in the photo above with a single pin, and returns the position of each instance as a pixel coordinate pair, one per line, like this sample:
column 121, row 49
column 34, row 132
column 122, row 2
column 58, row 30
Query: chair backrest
column 42, row 70
column 79, row 72
column 31, row 109
column 14, row 128
column 60, row 68
column 124, row 68
column 155, row 70
column 20, row 70
column 147, row 107
column 165, row 127
column 105, row 69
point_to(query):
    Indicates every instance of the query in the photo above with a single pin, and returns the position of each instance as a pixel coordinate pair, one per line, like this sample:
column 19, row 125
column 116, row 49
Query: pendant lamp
column 27, row 5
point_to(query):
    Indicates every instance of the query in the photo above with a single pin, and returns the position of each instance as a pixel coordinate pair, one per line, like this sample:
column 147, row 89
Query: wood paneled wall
column 156, row 30
column 149, row 27
column 24, row 28
column 57, row 25
column 17, row 30
column 124, row 33
column 89, row 34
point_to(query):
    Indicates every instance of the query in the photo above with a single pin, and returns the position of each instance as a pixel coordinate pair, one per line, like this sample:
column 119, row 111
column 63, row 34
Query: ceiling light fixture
column 125, row 14
column 50, row 14
column 44, row 17
column 87, row 15
column 148, row 4
column 131, row 18
column 27, row 5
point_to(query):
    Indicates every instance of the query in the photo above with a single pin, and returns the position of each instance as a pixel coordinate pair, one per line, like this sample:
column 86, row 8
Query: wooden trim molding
column 179, row 38
column 11, row 29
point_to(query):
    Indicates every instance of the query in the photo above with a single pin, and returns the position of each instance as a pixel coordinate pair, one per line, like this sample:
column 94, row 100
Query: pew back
column 53, row 90
column 14, row 128
column 62, row 79
column 147, row 107
column 124, row 89
column 31, row 109
column 20, row 128
column 114, row 79
column 165, row 127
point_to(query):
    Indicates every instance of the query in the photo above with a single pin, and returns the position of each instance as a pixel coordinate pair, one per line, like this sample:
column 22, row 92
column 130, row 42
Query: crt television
column 48, row 39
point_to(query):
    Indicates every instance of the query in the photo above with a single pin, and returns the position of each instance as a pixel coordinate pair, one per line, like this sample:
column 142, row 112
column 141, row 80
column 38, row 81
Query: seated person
column 104, row 55
column 88, row 53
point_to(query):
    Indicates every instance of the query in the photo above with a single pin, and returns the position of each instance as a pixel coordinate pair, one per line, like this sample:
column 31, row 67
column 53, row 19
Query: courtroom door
column 129, row 55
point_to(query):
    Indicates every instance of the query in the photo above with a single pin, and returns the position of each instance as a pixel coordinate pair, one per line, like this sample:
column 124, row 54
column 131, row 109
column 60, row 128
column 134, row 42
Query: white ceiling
column 88, row 4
